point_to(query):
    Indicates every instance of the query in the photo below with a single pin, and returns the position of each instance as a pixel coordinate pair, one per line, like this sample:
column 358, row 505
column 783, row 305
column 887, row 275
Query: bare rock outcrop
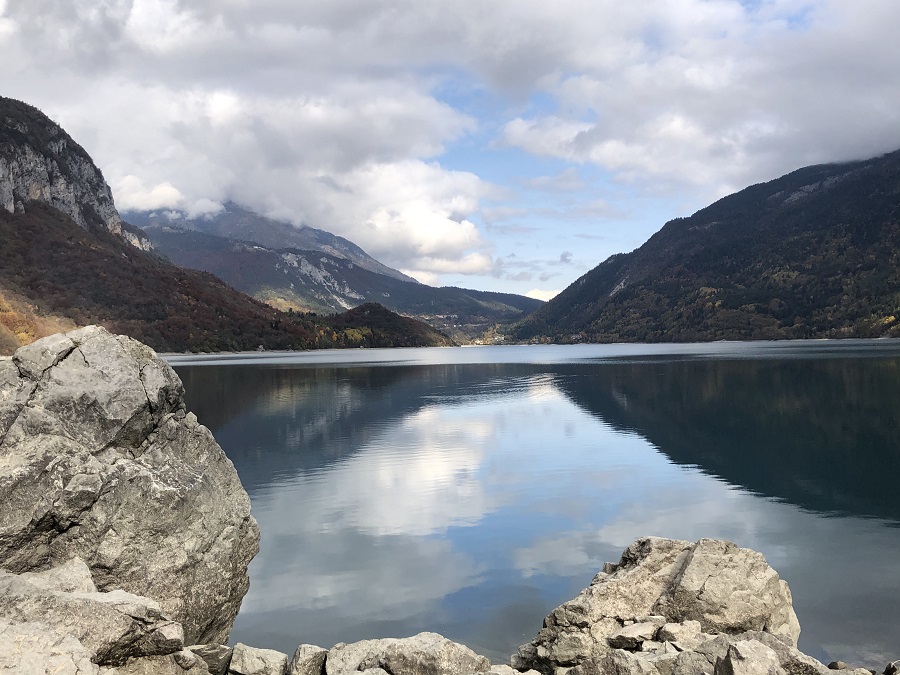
column 35, row 647
column 57, row 622
column 422, row 654
column 248, row 660
column 667, row 607
column 99, row 460
column 39, row 162
column 179, row 663
column 111, row 627
column 307, row 660
column 216, row 656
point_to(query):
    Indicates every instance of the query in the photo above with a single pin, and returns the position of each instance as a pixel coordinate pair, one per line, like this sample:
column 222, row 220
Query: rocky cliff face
column 39, row 162
column 99, row 460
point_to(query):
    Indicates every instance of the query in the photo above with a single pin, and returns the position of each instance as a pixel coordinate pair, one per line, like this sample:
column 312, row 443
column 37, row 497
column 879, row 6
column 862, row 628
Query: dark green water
column 470, row 491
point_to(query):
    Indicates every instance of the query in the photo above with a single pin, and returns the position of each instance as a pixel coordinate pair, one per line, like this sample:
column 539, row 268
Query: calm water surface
column 469, row 491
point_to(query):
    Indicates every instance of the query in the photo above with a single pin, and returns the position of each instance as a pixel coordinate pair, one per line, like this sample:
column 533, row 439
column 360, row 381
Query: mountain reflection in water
column 471, row 498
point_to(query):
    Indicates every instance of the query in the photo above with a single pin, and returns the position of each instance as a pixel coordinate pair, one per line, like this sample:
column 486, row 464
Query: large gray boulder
column 307, row 660
column 422, row 654
column 179, row 663
column 216, row 656
column 749, row 657
column 57, row 622
column 247, row 660
column 100, row 460
column 112, row 627
column 664, row 597
column 34, row 648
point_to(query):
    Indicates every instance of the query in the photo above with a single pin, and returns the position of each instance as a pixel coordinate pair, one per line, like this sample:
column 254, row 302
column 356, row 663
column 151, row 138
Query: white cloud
column 412, row 211
column 338, row 162
column 134, row 195
column 539, row 294
column 716, row 95
column 7, row 27
column 204, row 207
column 162, row 26
column 567, row 180
column 427, row 278
column 338, row 114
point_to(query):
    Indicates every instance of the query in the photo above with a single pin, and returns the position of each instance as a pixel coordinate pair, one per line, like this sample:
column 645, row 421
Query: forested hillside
column 815, row 253
column 68, row 259
column 96, row 277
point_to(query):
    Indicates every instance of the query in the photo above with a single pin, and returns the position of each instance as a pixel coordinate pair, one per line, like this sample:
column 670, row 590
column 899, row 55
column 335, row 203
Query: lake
column 469, row 491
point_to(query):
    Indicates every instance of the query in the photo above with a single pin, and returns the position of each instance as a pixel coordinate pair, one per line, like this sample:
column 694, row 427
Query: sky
column 504, row 145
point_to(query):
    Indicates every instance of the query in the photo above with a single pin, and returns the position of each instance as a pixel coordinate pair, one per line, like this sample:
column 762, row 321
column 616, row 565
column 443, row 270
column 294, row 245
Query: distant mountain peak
column 320, row 281
column 235, row 221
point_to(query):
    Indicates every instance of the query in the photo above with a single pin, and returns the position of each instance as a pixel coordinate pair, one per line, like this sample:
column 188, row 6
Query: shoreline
column 126, row 536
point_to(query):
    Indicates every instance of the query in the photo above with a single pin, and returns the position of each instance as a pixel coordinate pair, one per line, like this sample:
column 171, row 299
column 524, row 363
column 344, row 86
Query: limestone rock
column 111, row 627
column 686, row 635
column 791, row 659
column 503, row 669
column 709, row 586
column 422, row 654
column 179, row 663
column 743, row 653
column 730, row 590
column 216, row 656
column 749, row 657
column 99, row 460
column 252, row 661
column 664, row 659
column 307, row 660
column 34, row 648
column 633, row 636
column 72, row 576
column 693, row 663
column 620, row 662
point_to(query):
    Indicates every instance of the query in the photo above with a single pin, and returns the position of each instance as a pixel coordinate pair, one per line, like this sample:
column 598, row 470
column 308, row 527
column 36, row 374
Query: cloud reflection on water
column 418, row 478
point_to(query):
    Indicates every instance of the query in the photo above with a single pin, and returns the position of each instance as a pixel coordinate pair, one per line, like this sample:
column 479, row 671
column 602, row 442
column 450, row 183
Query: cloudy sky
column 496, row 144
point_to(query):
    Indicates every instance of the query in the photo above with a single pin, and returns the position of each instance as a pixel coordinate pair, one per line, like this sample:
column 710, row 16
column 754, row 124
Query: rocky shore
column 125, row 537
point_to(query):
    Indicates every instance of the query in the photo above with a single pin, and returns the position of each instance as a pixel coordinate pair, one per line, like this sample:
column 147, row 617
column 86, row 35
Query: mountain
column 66, row 271
column 236, row 222
column 40, row 162
column 67, row 258
column 319, row 281
column 815, row 253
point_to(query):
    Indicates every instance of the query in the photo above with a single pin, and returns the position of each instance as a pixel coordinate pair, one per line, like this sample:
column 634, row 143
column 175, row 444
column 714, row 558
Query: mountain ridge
column 304, row 280
column 97, row 278
column 814, row 253
column 68, row 257
column 237, row 222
